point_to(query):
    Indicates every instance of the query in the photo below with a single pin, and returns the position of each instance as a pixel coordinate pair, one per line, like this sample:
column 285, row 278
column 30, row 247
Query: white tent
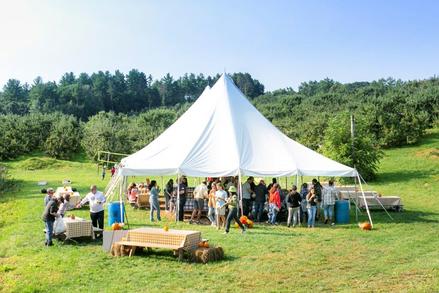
column 223, row 134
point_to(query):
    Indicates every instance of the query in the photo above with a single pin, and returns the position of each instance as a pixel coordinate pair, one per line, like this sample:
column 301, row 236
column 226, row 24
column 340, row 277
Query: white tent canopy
column 223, row 134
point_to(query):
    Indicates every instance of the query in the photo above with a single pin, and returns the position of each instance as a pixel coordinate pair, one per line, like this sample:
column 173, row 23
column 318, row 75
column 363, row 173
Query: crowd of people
column 302, row 207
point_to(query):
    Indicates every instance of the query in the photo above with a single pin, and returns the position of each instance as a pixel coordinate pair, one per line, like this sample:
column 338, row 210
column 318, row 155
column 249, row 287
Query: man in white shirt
column 96, row 200
column 200, row 193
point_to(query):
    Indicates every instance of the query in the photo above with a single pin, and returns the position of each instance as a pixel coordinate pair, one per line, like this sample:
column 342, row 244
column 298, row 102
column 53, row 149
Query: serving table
column 176, row 240
column 78, row 227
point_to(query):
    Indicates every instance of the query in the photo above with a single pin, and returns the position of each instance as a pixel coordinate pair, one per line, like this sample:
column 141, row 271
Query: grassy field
column 399, row 255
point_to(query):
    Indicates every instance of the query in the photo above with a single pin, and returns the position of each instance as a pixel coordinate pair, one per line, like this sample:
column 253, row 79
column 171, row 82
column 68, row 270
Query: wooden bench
column 176, row 240
column 178, row 249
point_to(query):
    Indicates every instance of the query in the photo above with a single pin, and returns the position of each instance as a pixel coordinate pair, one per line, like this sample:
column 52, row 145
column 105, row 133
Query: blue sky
column 281, row 43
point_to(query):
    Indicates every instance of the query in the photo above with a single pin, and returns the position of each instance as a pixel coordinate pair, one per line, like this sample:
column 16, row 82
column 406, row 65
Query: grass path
column 400, row 255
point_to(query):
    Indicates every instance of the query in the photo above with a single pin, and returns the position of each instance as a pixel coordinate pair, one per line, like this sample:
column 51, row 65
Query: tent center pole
column 178, row 199
column 240, row 191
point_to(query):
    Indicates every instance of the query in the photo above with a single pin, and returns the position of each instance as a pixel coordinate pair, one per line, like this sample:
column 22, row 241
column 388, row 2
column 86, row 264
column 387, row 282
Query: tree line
column 387, row 113
column 86, row 95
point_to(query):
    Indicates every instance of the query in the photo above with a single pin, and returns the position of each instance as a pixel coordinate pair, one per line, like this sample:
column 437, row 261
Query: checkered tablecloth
column 189, row 205
column 78, row 228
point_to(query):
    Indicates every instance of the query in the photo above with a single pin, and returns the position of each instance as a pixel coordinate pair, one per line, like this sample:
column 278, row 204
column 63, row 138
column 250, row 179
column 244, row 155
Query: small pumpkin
column 366, row 226
column 250, row 223
column 116, row 226
column 166, row 228
column 72, row 216
column 243, row 220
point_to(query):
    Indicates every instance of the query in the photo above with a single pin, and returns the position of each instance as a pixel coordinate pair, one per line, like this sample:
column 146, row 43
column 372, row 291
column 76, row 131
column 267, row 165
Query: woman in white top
column 221, row 200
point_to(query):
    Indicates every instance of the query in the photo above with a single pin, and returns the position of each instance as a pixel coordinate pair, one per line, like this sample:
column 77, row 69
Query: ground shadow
column 406, row 217
column 403, row 176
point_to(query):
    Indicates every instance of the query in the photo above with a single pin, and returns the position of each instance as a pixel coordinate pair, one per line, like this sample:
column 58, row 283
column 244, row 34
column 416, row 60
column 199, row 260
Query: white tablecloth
column 386, row 201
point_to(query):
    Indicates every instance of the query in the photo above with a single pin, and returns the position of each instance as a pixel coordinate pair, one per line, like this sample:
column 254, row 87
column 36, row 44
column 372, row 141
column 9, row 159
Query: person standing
column 330, row 195
column 220, row 211
column 274, row 204
column 211, row 204
column 154, row 191
column 232, row 202
column 200, row 193
column 247, row 195
column 113, row 170
column 311, row 198
column 182, row 187
column 318, row 191
column 64, row 203
column 169, row 189
column 49, row 195
column 104, row 169
column 96, row 200
column 49, row 215
column 293, row 204
column 303, row 193
column 261, row 194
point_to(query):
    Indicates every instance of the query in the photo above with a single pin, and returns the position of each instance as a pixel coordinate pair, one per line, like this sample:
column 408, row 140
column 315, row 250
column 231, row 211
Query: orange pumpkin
column 116, row 226
column 243, row 220
column 366, row 226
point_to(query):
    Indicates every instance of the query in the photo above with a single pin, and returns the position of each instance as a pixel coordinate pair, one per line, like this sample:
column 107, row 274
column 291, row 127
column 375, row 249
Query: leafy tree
column 15, row 98
column 151, row 124
column 337, row 144
column 249, row 86
column 64, row 138
column 43, row 97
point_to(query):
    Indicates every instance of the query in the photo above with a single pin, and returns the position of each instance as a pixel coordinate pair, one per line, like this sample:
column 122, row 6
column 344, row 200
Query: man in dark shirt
column 261, row 194
column 182, row 186
column 318, row 190
column 293, row 204
column 49, row 215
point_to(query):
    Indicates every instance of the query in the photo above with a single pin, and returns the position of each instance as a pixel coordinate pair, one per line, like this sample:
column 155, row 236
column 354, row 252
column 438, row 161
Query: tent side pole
column 178, row 199
column 364, row 198
column 356, row 199
column 240, row 192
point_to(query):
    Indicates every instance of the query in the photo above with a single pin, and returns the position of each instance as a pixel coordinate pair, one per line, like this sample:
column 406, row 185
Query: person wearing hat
column 49, row 195
column 232, row 202
column 261, row 195
column 96, row 199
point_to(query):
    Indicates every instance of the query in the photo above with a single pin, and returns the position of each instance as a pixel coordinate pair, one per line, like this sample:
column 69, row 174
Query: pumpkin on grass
column 365, row 226
column 243, row 220
column 116, row 226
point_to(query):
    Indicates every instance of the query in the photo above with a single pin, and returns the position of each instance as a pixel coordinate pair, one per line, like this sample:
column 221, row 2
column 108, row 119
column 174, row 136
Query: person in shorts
column 200, row 193
column 221, row 201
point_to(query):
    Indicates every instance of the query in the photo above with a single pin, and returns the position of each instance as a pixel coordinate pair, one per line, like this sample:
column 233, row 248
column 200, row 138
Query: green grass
column 399, row 255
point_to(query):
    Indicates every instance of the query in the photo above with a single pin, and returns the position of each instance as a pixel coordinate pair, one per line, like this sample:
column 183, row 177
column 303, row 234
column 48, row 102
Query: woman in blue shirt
column 154, row 200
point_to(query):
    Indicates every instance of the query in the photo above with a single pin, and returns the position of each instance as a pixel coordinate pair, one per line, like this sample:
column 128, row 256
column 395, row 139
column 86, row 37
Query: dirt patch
column 431, row 153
